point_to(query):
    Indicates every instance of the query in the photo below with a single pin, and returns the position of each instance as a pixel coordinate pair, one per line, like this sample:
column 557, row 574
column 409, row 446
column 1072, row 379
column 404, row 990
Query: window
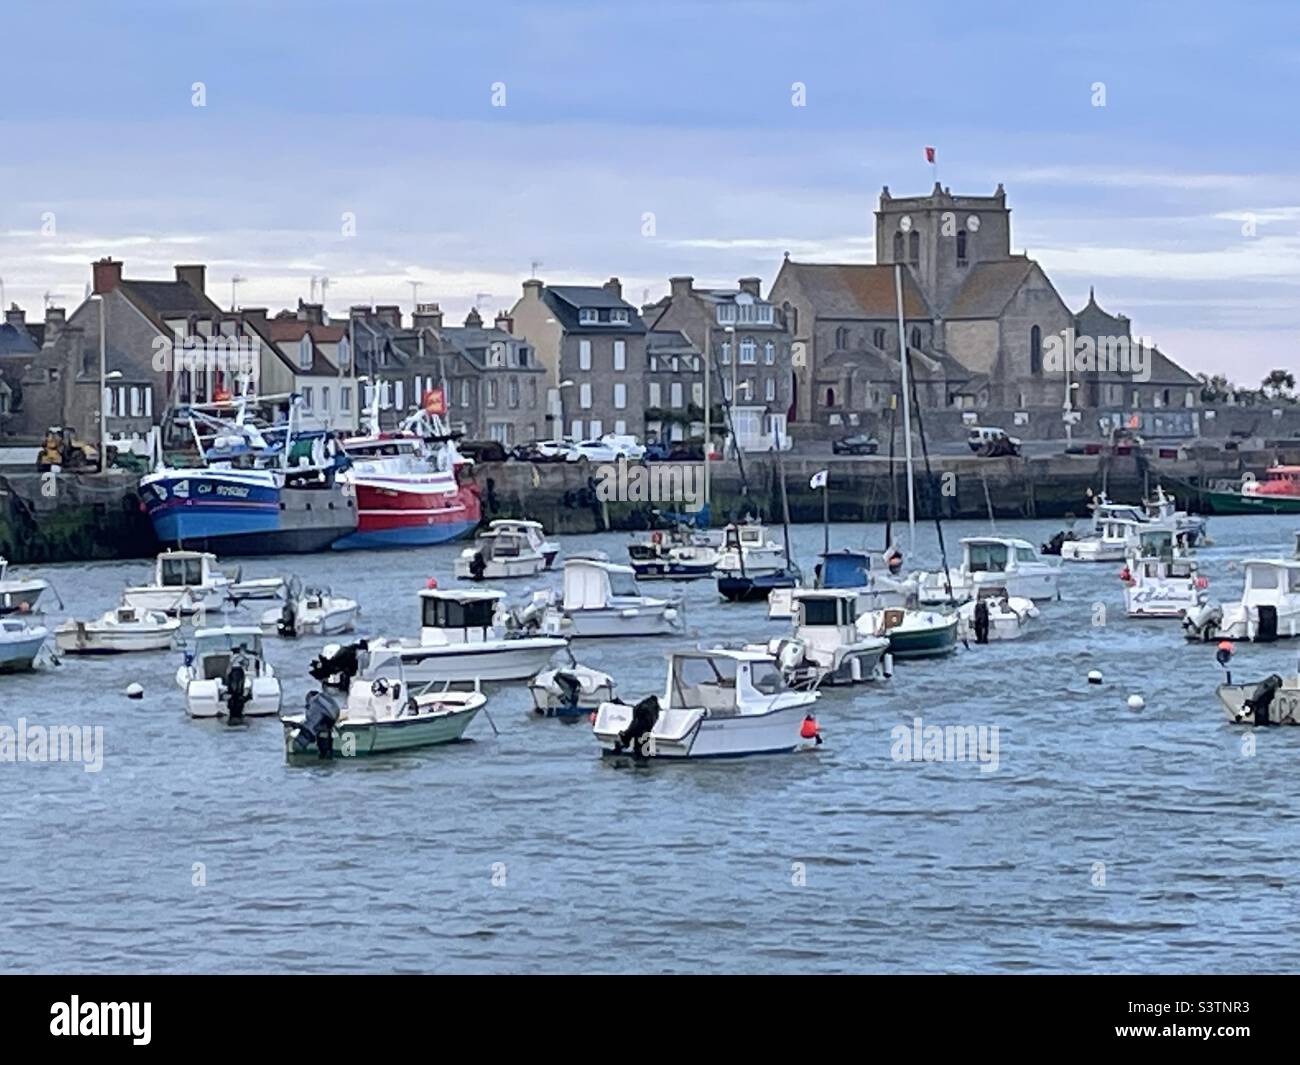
column 769, row 389
column 961, row 247
column 726, row 313
column 306, row 398
column 345, row 399
column 620, row 354
column 618, row 316
column 584, row 354
column 148, row 402
column 915, row 339
column 588, row 316
column 791, row 316
column 878, row 337
column 655, row 394
column 914, row 248
column 325, row 399
column 726, row 353
column 841, row 338
column 575, row 429
column 676, row 395
column 769, row 353
column 465, row 393
column 532, row 396
column 830, row 397
column 1035, row 350
column 399, row 395
column 898, row 246
column 1135, row 400
column 304, row 352
column 137, row 403
column 697, row 393
column 584, row 395
column 597, row 428
column 748, row 352
column 620, row 427
column 514, row 392
column 345, row 352
column 620, row 396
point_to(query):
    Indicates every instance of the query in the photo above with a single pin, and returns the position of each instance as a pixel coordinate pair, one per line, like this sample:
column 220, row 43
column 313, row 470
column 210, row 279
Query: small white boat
column 535, row 533
column 874, row 576
column 311, row 612
column 226, row 675
column 601, row 599
column 381, row 714
column 500, row 554
column 1112, row 538
column 717, row 704
column 750, row 564
column 826, row 628
column 680, row 554
column 995, row 616
column 123, row 630
column 1275, row 700
column 18, row 596
column 912, row 633
column 262, row 588
column 463, row 637
column 185, row 582
column 1160, row 578
column 1003, row 563
column 1269, row 608
column 568, row 691
column 20, row 643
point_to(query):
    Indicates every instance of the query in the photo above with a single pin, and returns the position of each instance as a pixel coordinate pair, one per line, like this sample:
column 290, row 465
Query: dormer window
column 588, row 316
column 304, row 352
column 726, row 313
column 618, row 316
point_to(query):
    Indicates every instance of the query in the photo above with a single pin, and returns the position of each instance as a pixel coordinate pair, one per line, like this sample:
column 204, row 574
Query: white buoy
column 888, row 662
column 1094, row 676
column 134, row 691
column 1136, row 702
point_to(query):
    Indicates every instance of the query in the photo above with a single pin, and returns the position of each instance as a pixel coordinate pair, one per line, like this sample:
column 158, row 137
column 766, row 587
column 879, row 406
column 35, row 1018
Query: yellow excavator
column 61, row 448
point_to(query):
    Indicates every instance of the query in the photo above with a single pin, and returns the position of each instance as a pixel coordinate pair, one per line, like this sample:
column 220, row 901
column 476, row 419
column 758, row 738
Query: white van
column 979, row 436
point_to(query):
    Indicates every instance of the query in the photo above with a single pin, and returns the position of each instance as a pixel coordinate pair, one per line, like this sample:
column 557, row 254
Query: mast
column 907, row 409
column 785, row 507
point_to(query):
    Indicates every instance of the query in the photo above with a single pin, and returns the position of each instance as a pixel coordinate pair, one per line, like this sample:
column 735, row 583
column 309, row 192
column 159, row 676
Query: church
column 982, row 324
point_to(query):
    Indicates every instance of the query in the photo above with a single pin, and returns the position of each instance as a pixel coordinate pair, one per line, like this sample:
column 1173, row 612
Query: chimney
column 194, row 275
column 55, row 319
column 106, row 275
column 752, row 285
column 532, row 289
column 359, row 312
column 427, row 316
column 614, row 287
column 473, row 320
column 16, row 317
column 504, row 322
column 256, row 316
column 311, row 312
column 389, row 314
column 680, row 287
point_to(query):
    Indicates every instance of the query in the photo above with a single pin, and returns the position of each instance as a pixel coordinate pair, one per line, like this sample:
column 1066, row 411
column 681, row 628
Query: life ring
column 656, row 537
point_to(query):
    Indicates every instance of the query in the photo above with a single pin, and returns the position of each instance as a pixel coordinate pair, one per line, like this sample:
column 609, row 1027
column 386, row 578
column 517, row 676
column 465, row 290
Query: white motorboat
column 381, row 714
column 568, row 691
column 1162, row 509
column 718, row 703
column 20, row 643
column 1269, row 608
column 1160, row 578
column 18, row 596
column 226, row 675
column 1275, row 700
column 912, row 633
column 535, row 533
column 680, row 554
column 185, row 582
column 826, row 629
column 874, row 576
column 311, row 612
column 750, row 564
column 500, row 554
column 1113, row 536
column 995, row 616
column 463, row 637
column 122, row 630
column 602, row 599
column 993, row 563
column 259, row 589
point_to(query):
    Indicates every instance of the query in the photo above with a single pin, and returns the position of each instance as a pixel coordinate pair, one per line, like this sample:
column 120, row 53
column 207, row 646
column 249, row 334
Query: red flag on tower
column 929, row 154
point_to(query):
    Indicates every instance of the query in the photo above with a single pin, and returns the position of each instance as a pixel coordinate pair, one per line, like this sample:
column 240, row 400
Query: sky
column 456, row 144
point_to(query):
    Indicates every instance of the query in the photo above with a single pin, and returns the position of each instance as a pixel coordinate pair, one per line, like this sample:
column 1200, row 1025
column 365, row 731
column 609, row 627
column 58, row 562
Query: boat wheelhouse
column 869, row 574
column 18, row 596
column 826, row 625
column 1160, row 579
column 994, row 563
column 20, row 643
column 601, row 599
column 750, row 564
column 500, row 554
column 1269, row 608
column 185, row 582
column 534, row 531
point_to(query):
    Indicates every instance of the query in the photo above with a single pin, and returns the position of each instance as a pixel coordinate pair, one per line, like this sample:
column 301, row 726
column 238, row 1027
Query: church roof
column 989, row 288
column 857, row 290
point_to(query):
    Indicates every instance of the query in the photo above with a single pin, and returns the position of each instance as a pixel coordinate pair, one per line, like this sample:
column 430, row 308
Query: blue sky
column 680, row 110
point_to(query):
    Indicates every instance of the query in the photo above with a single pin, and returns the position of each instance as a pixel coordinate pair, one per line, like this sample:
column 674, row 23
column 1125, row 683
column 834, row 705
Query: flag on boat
column 929, row 154
column 819, row 479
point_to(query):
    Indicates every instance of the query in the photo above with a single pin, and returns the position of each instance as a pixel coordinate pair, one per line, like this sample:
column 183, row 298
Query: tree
column 1279, row 384
column 1215, row 389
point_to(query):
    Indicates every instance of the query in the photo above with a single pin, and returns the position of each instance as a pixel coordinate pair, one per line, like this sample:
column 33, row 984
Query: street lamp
column 103, row 375
column 557, row 410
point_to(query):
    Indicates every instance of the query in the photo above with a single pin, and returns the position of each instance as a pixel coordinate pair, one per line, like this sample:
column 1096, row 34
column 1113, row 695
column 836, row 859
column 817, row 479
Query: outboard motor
column 318, row 725
column 570, row 689
column 477, row 566
column 236, row 700
column 288, row 624
column 1262, row 699
column 981, row 621
column 337, row 670
column 644, row 716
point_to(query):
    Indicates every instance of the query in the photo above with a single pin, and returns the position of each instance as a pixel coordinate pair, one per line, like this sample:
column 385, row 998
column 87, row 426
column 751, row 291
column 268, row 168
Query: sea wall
column 68, row 517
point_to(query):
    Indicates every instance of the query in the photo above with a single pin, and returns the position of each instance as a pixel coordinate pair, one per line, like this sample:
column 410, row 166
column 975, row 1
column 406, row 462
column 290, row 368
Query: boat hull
column 92, row 641
column 518, row 660
column 601, row 623
column 1282, row 709
column 1237, row 503
column 693, row 734
column 18, row 656
column 359, row 738
column 396, row 512
column 748, row 589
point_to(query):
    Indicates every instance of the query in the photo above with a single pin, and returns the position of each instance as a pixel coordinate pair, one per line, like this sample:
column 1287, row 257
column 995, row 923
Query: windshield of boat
column 623, row 584
column 215, row 642
column 1026, row 554
column 820, row 611
column 458, row 613
column 988, row 558
column 182, row 571
column 706, row 682
column 766, row 678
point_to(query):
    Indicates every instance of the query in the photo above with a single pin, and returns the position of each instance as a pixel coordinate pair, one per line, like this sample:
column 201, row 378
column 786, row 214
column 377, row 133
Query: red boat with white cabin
column 412, row 486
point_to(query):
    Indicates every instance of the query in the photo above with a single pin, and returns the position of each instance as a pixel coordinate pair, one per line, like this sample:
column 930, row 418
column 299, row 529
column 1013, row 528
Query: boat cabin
column 1278, row 480
column 214, row 649
column 846, row 569
column 184, row 569
column 832, row 608
column 590, row 584
column 994, row 554
column 454, row 616
column 1271, row 581
column 725, row 683
column 1156, row 543
column 749, row 536
column 505, row 544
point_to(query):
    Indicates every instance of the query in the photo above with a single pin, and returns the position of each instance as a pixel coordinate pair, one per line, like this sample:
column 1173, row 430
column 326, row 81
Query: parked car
column 859, row 444
column 986, row 439
column 595, row 451
column 625, row 444
column 550, row 450
column 482, row 450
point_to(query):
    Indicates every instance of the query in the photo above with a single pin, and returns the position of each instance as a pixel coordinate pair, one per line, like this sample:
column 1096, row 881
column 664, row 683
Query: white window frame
column 584, row 354
column 584, row 395
column 620, row 355
column 588, row 316
column 620, row 395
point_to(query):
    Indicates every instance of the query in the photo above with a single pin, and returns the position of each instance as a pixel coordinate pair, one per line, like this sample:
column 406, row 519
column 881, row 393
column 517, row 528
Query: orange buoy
column 809, row 728
column 1226, row 645
column 431, row 583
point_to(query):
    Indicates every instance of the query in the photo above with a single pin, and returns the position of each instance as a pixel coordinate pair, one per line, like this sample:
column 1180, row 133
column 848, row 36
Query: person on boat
column 236, row 677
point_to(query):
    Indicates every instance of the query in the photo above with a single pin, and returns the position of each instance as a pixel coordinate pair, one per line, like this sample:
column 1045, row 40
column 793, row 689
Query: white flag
column 819, row 479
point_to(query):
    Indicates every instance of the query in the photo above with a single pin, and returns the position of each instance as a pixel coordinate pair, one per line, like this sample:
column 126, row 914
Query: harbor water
column 1103, row 839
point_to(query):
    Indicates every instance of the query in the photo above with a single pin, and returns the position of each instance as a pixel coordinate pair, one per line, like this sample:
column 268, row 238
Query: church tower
column 941, row 236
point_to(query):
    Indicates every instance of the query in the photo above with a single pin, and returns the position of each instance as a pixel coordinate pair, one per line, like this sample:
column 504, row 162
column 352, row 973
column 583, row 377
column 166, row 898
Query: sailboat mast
column 907, row 409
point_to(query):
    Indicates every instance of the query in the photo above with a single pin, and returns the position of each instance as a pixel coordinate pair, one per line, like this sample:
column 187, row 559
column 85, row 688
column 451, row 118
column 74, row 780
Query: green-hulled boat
column 912, row 633
column 1277, row 493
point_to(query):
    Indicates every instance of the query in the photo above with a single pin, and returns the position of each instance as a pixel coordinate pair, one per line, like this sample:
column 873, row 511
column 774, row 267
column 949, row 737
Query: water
column 527, row 852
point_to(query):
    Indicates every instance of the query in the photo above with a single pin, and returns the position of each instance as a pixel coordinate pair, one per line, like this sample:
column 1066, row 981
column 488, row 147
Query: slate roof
column 565, row 300
column 857, row 290
column 15, row 341
column 989, row 288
